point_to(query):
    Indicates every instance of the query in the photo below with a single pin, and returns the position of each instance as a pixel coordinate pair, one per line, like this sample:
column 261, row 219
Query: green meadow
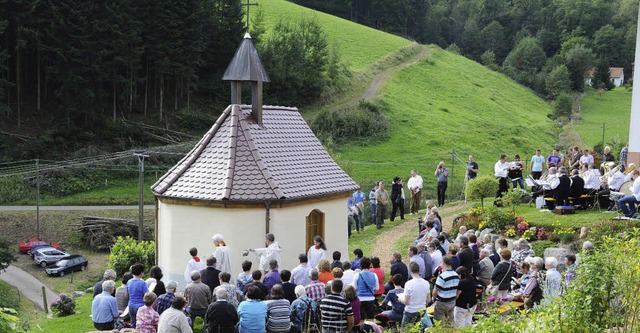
column 611, row 108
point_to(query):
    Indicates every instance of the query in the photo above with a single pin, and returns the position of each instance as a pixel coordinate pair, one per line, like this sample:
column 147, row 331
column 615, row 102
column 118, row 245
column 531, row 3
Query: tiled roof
column 615, row 72
column 238, row 160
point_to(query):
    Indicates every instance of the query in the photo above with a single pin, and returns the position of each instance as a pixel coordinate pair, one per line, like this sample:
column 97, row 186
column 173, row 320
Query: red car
column 27, row 246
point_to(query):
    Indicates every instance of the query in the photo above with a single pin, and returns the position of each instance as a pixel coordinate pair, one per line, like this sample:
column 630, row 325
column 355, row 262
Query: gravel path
column 385, row 240
column 28, row 285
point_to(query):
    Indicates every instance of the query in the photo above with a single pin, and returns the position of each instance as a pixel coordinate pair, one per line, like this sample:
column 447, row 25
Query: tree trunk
column 161, row 93
column 38, row 71
column 189, row 94
column 18, row 81
column 175, row 96
column 113, row 106
column 130, row 88
column 146, row 89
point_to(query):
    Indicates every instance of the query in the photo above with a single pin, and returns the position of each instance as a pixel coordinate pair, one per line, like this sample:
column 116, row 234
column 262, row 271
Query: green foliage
column 578, row 60
column 539, row 246
column 7, row 254
column 300, row 82
column 558, row 82
column 612, row 108
column 602, row 77
column 63, row 306
column 480, row 188
column 488, row 58
column 453, row 48
column 497, row 218
column 562, row 107
column 9, row 321
column 367, row 120
column 525, row 61
column 12, row 189
column 127, row 251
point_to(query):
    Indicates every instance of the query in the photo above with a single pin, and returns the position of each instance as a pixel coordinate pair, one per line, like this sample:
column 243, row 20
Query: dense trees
column 86, row 60
column 510, row 35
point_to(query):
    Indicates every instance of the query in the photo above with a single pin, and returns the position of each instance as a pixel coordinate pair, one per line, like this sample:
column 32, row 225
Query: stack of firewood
column 101, row 232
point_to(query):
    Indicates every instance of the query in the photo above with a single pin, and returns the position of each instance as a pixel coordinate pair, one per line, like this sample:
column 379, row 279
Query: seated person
column 561, row 187
column 391, row 302
column 543, row 190
column 591, row 180
column 577, row 184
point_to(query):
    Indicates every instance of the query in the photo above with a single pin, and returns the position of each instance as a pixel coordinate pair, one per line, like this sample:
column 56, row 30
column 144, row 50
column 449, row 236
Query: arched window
column 315, row 226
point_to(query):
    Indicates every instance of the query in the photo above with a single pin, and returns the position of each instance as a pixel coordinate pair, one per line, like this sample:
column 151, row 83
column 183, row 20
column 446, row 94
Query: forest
column 528, row 40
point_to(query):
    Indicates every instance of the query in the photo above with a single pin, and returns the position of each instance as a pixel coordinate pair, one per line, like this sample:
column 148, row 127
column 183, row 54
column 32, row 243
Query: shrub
column 127, row 251
column 366, row 120
column 480, row 188
column 498, row 219
column 539, row 246
column 13, row 189
column 9, row 321
column 63, row 306
column 512, row 199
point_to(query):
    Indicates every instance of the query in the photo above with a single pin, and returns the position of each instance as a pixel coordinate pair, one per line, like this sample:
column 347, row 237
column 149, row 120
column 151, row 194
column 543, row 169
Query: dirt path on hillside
column 378, row 80
column 384, row 242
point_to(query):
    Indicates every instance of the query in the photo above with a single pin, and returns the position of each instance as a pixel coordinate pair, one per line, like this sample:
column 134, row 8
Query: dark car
column 68, row 264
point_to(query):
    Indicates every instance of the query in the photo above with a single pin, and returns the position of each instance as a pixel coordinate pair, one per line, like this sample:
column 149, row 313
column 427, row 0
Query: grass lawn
column 447, row 102
column 359, row 46
column 612, row 108
column 364, row 240
column 582, row 218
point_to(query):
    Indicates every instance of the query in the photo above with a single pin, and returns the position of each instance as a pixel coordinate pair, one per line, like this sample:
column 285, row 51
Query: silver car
column 48, row 255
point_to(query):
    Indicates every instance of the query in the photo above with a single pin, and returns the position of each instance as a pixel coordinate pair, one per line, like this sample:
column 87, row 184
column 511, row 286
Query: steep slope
column 612, row 108
column 447, row 102
column 359, row 46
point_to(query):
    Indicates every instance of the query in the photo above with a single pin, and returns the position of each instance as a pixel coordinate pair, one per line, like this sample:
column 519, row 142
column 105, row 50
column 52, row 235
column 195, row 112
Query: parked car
column 25, row 247
column 48, row 255
column 32, row 253
column 68, row 264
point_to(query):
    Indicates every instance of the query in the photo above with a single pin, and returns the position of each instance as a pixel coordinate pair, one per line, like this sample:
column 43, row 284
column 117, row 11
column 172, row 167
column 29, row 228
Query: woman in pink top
column 375, row 268
column 147, row 318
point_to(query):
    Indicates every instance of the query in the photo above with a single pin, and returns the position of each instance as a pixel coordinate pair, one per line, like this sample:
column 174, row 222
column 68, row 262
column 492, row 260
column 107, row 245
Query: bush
column 365, row 121
column 539, row 246
column 480, row 188
column 13, row 189
column 63, row 306
column 10, row 322
column 127, row 251
column 497, row 219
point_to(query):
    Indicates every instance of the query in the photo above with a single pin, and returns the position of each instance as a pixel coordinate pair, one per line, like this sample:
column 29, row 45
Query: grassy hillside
column 360, row 46
column 447, row 102
column 612, row 108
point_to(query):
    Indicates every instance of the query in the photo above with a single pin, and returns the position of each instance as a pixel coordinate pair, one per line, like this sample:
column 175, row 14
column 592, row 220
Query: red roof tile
column 615, row 72
column 239, row 160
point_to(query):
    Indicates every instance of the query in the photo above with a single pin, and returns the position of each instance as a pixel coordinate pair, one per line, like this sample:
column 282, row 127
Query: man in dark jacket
column 221, row 316
column 561, row 190
column 397, row 267
column 210, row 274
column 397, row 198
column 577, row 184
column 466, row 254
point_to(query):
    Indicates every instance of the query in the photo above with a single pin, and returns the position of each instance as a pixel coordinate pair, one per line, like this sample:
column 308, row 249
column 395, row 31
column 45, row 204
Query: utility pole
column 141, row 158
column 603, row 125
column 37, row 198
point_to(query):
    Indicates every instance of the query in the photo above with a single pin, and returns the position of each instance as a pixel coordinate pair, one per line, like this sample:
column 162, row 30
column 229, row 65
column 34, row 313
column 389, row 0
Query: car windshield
column 62, row 263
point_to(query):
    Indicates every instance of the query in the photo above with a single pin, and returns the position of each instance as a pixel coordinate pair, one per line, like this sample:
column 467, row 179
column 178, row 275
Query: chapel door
column 315, row 226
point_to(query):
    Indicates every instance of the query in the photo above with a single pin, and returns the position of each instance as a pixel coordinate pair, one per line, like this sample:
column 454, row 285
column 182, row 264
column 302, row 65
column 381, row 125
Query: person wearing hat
column 164, row 301
column 222, row 254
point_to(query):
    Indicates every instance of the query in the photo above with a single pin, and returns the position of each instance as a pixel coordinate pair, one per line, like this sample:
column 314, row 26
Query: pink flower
column 504, row 299
column 492, row 299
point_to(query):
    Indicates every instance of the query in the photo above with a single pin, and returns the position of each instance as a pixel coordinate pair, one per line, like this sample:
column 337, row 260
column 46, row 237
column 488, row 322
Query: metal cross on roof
column 248, row 5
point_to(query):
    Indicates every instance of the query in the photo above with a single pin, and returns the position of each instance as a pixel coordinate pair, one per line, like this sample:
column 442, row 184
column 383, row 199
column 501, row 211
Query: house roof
column 238, row 160
column 616, row 72
column 246, row 64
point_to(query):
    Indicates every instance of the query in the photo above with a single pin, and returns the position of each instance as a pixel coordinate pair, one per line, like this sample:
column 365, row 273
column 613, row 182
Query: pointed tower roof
column 246, row 64
column 238, row 160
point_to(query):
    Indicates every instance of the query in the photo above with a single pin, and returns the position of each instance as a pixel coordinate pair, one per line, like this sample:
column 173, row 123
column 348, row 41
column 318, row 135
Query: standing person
column 415, row 185
column 554, row 159
column 222, row 254
column 198, row 296
column 104, row 307
column 445, row 292
column 354, row 212
column 416, row 296
column 121, row 293
column 273, row 276
column 375, row 269
column 382, row 198
column 244, row 278
column 397, row 198
column 155, row 276
column 136, row 288
column 268, row 253
column 221, row 316
column 465, row 254
column 466, row 300
column 252, row 312
column 574, row 162
column 278, row 320
column 300, row 274
column 500, row 170
column 623, row 157
column 366, row 284
column 109, row 274
column 515, row 173
column 360, row 197
column 336, row 311
column 586, row 157
column 373, row 203
column 194, row 264
column 442, row 173
column 317, row 252
column 147, row 317
column 537, row 161
column 173, row 320
column 472, row 168
column 210, row 275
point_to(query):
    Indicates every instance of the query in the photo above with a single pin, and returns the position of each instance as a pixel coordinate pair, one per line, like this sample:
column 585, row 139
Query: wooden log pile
column 101, row 232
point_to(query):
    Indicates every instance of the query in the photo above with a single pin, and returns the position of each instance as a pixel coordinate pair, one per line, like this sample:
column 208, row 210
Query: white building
column 259, row 169
column 617, row 75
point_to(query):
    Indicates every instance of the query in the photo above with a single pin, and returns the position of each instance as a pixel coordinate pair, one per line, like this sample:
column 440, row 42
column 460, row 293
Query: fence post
column 44, row 301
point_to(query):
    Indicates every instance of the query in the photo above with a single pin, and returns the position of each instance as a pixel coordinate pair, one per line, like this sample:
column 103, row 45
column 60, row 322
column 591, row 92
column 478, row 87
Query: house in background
column 617, row 75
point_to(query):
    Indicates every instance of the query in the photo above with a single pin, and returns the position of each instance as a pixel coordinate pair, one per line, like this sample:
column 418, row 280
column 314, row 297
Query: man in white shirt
column 586, row 158
column 266, row 254
column 415, row 185
column 591, row 180
column 436, row 257
column 414, row 257
column 300, row 274
column 628, row 204
column 194, row 264
column 416, row 296
column 501, row 170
